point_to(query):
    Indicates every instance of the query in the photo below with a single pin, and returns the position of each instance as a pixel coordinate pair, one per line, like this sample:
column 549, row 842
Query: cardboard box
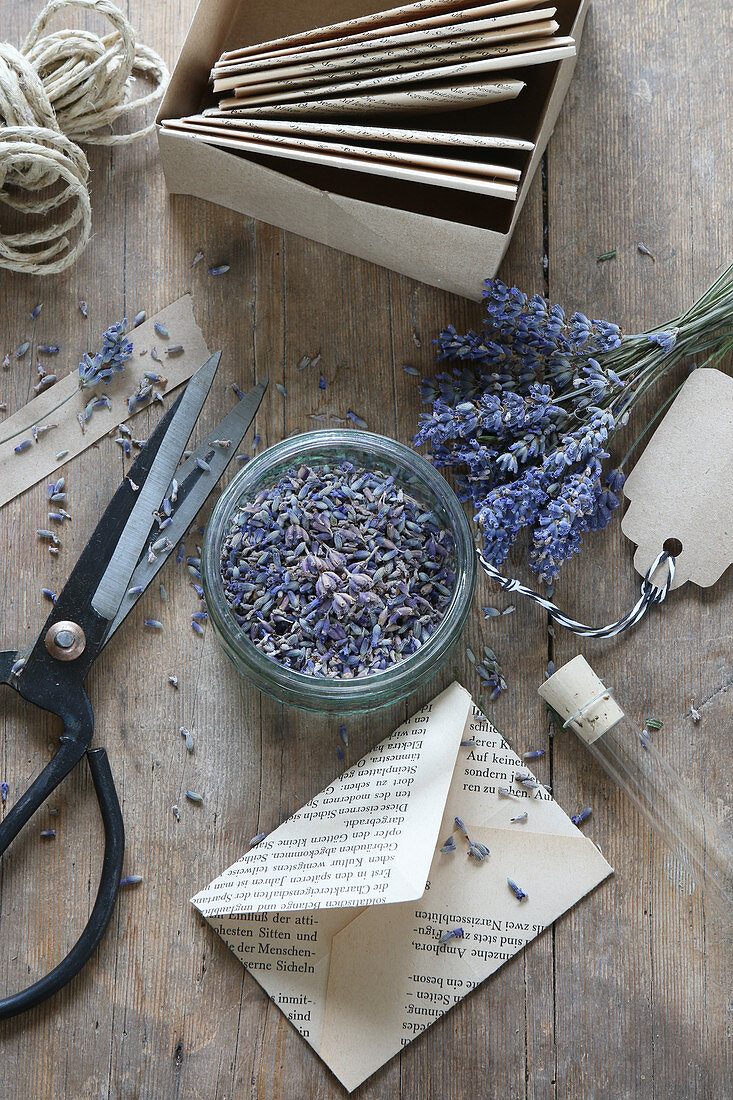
column 453, row 240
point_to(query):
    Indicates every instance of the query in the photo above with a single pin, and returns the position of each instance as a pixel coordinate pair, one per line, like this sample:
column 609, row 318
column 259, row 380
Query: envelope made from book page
column 339, row 912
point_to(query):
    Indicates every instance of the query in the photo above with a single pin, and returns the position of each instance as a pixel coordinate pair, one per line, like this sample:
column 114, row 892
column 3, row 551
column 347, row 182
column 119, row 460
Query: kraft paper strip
column 19, row 472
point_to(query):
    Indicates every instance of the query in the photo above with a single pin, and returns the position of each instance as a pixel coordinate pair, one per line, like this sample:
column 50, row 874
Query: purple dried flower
column 257, row 840
column 665, row 340
column 4, row 791
column 131, row 880
column 47, row 349
column 48, row 834
column 36, row 310
column 518, row 892
column 452, row 934
column 578, row 819
column 220, row 270
column 192, row 796
column 448, row 845
column 116, row 350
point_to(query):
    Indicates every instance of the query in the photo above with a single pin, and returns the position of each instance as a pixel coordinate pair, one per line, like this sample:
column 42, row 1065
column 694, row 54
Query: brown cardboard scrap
column 682, row 486
column 19, row 471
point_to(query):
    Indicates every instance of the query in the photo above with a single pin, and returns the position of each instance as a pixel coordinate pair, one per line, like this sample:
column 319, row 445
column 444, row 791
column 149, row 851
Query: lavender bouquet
column 525, row 415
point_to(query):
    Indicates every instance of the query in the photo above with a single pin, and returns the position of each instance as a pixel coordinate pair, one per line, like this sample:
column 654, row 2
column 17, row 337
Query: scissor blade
column 116, row 578
column 195, row 485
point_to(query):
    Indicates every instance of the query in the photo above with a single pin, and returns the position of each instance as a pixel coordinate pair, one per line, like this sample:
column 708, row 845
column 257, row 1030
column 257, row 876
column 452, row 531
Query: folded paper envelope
column 339, row 912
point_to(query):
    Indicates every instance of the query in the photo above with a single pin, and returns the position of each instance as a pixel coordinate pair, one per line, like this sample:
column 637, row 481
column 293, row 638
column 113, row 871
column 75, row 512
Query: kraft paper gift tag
column 339, row 912
column 681, row 489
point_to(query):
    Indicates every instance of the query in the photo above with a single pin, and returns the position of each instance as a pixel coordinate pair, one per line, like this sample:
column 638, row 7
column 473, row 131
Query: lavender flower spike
column 116, row 350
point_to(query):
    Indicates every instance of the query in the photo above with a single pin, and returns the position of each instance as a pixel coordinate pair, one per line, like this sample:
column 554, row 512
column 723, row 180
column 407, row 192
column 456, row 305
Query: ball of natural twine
column 59, row 89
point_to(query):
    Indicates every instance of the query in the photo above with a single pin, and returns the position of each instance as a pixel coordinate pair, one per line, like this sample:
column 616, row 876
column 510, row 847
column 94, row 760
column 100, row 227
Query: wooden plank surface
column 624, row 996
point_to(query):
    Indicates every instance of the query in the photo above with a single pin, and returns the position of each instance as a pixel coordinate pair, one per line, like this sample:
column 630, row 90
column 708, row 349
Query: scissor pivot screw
column 66, row 641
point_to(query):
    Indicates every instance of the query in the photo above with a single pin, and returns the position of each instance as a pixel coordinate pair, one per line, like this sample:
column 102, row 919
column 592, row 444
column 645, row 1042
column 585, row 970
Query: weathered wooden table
column 622, row 997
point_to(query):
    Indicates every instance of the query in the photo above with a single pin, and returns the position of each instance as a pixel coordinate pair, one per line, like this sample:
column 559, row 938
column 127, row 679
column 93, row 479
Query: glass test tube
column 703, row 849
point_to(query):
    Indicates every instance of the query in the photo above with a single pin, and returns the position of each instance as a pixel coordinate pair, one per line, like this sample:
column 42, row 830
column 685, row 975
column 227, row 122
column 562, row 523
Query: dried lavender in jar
column 337, row 571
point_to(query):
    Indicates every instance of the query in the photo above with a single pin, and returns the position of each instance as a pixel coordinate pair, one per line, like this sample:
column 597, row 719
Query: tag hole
column 673, row 547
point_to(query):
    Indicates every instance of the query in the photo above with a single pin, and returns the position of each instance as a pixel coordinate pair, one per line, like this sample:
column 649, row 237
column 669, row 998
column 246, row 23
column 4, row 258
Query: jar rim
column 399, row 679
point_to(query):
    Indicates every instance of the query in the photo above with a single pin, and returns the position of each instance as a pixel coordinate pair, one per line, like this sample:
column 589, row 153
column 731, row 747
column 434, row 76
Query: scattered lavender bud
column 22, row 349
column 83, row 308
column 197, row 259
column 281, row 389
column 136, row 590
column 176, row 812
column 411, row 370
column 452, row 934
column 6, row 362
column 18, row 666
column 23, row 446
column 448, row 846
column 220, row 270
column 173, row 681
column 47, row 536
column 192, row 796
column 163, row 593
column 461, row 826
column 139, row 318
column 533, row 754
column 200, row 616
column 154, row 624
column 303, row 362
column 321, row 382
column 469, row 743
column 48, row 349
column 154, row 355
column 578, row 819
column 477, row 851
column 242, row 458
column 4, row 791
column 518, row 892
column 257, row 840
column 131, row 880
column 49, row 594
column 48, row 834
column 255, row 443
column 196, row 627
column 340, row 752
column 510, row 608
column 694, row 713
column 358, row 420
column 645, row 252
column 343, row 735
column 160, row 329
column 520, row 818
column 187, row 738
column 203, row 465
column 504, row 792
column 174, row 349
column 36, row 310
column 491, row 612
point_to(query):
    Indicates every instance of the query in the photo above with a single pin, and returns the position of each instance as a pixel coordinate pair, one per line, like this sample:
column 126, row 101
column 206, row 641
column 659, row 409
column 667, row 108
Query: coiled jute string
column 57, row 90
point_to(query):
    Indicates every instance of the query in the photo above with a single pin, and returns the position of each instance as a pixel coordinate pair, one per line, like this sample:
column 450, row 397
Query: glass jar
column 414, row 474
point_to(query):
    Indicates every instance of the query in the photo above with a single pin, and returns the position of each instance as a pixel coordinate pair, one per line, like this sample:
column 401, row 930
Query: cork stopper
column 582, row 700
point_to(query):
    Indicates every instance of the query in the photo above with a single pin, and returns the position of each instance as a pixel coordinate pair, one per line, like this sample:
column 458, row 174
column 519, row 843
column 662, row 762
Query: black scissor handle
column 74, row 744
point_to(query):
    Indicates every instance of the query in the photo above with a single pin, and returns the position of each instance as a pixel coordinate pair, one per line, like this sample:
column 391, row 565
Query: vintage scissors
column 125, row 552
